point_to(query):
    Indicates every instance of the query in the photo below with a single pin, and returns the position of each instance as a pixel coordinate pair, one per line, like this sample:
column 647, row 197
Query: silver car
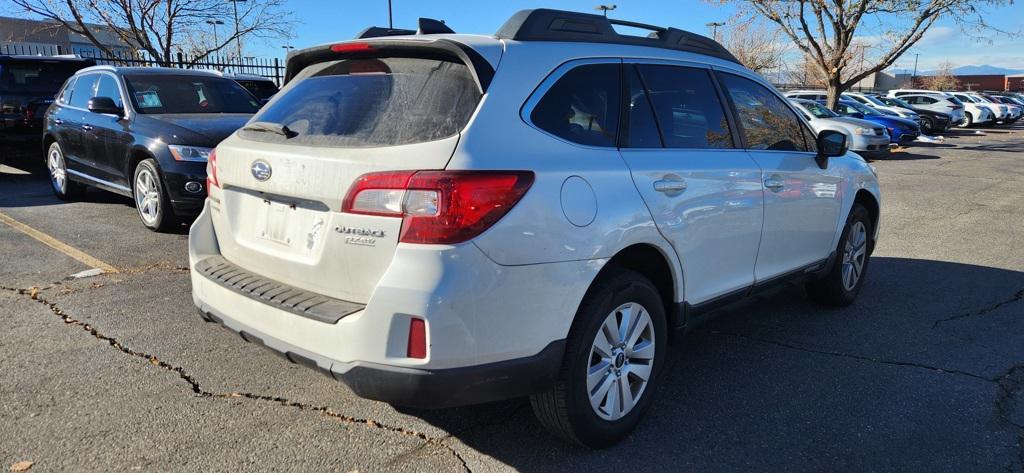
column 868, row 139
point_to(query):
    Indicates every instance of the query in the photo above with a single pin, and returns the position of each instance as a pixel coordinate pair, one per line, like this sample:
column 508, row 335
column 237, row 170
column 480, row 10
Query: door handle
column 670, row 186
column 58, row 121
column 87, row 127
column 774, row 182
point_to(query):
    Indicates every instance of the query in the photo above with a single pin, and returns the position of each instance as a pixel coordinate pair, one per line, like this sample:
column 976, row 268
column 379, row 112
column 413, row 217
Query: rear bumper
column 493, row 332
column 423, row 388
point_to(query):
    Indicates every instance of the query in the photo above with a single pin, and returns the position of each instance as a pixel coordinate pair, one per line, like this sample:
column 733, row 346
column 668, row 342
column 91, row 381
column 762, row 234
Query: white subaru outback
column 439, row 219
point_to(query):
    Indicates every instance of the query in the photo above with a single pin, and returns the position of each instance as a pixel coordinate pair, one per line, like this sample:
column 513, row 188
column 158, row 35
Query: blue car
column 901, row 130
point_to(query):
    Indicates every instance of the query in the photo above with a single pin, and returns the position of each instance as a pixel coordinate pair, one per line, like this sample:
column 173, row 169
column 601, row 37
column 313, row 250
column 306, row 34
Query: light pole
column 238, row 40
column 714, row 28
column 913, row 78
column 391, row 24
column 605, row 9
column 216, row 42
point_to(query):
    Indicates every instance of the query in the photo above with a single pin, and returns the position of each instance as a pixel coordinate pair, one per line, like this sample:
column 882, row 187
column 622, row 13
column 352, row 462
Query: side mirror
column 831, row 143
column 105, row 105
column 856, row 115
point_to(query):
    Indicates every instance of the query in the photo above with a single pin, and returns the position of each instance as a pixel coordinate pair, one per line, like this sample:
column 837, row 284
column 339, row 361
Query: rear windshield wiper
column 270, row 127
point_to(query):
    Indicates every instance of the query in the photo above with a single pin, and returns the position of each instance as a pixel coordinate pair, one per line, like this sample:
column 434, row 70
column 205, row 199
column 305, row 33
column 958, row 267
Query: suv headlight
column 863, row 131
column 189, row 153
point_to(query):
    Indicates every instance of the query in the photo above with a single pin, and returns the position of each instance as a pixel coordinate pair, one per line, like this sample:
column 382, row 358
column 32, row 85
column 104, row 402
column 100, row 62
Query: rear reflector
column 439, row 207
column 417, row 347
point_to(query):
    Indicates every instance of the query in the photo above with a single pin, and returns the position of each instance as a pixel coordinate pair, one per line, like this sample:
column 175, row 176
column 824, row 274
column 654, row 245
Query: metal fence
column 266, row 67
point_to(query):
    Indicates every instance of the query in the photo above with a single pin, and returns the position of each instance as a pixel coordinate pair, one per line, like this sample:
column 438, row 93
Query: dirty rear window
column 371, row 102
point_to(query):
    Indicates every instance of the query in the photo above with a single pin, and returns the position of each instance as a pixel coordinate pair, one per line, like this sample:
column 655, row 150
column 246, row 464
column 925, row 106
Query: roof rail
column 557, row 25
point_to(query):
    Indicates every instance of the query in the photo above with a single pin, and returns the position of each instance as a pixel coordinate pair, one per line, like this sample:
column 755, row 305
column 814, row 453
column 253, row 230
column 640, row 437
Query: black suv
column 27, row 86
column 144, row 133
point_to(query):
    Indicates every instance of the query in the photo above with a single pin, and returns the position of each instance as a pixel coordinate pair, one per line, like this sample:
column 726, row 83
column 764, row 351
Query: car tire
column 567, row 408
column 968, row 121
column 150, row 196
column 63, row 187
column 840, row 286
column 927, row 124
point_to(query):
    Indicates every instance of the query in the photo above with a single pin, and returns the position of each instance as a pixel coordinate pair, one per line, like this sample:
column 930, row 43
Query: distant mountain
column 970, row 70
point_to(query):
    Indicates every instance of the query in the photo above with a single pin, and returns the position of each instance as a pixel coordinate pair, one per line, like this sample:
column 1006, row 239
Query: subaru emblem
column 261, row 170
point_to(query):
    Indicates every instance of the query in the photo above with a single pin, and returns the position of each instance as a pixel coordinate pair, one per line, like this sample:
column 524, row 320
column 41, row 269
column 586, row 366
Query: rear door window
column 766, row 121
column 370, row 102
column 687, row 107
column 641, row 128
column 83, row 90
column 582, row 106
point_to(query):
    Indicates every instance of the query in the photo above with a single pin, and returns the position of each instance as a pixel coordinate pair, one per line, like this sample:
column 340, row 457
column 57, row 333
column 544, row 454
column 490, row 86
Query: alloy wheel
column 854, row 255
column 621, row 360
column 58, row 173
column 147, row 196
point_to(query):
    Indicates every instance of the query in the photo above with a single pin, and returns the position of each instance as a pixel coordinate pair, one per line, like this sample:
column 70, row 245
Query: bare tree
column 159, row 27
column 756, row 46
column 824, row 30
column 944, row 78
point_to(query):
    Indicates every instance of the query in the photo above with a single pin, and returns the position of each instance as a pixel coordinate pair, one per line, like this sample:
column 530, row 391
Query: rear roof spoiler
column 479, row 67
column 558, row 25
column 424, row 26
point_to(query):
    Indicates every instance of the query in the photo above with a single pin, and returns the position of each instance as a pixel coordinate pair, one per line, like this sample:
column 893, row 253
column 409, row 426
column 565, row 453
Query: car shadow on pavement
column 906, row 155
column 897, row 381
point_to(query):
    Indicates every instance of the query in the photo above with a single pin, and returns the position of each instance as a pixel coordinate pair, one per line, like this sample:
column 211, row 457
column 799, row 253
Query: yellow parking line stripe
column 57, row 244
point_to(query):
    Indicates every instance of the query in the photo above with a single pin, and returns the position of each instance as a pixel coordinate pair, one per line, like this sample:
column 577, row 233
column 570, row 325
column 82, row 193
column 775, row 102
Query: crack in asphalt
column 1017, row 297
column 35, row 294
column 1009, row 382
column 793, row 346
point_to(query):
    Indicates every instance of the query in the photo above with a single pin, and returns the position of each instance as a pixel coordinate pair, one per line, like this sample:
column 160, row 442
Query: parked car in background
column 868, row 139
column 930, row 121
column 859, row 97
column 1015, row 110
column 873, row 102
column 28, row 85
column 262, row 87
column 1003, row 115
column 144, row 133
column 942, row 103
column 900, row 130
column 375, row 226
column 976, row 113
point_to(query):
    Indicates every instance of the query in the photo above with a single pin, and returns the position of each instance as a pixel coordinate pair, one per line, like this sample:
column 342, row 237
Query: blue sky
column 323, row 21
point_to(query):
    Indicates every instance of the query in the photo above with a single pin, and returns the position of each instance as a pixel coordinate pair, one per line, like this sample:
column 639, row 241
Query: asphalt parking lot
column 925, row 372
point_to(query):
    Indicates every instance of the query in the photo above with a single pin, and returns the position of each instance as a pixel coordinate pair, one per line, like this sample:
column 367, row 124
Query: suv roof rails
column 424, row 26
column 557, row 25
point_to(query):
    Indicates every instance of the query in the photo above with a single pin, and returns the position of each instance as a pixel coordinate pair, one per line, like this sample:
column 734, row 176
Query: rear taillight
column 440, row 207
column 211, row 172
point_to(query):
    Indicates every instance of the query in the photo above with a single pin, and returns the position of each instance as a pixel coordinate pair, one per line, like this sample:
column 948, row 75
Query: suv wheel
column 927, row 124
column 63, row 187
column 615, row 351
column 968, row 120
column 842, row 283
column 151, row 199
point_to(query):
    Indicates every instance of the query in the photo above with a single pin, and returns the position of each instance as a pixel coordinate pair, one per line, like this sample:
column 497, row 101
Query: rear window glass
column 35, row 76
column 262, row 89
column 372, row 102
column 180, row 93
column 582, row 106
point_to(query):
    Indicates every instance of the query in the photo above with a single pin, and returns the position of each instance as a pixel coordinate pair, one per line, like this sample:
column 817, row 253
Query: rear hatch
column 27, row 87
column 281, row 180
